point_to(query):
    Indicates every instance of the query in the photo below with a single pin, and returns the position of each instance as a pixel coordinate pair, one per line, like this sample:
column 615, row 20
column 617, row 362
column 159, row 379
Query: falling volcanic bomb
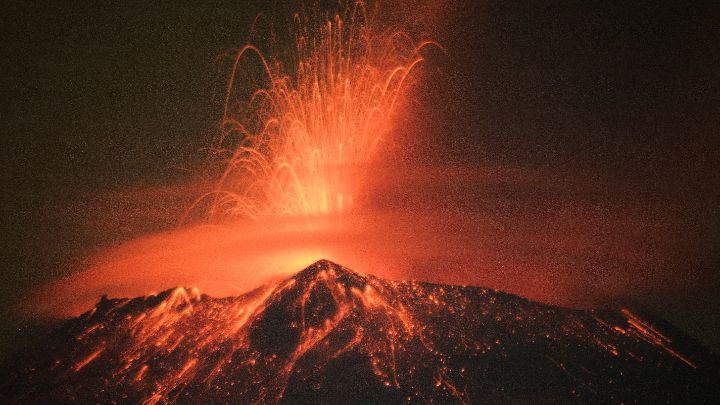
column 331, row 335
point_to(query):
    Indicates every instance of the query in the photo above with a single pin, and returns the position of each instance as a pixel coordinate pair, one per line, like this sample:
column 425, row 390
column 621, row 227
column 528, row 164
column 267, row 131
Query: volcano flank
column 331, row 335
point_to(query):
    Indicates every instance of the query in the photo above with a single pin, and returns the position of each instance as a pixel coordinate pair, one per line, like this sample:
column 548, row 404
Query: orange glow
column 643, row 330
column 302, row 143
column 298, row 154
column 405, row 236
column 88, row 359
column 220, row 260
column 411, row 335
column 305, row 176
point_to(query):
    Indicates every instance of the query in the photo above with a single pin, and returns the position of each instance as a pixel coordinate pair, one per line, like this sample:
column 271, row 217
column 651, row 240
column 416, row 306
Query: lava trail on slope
column 331, row 335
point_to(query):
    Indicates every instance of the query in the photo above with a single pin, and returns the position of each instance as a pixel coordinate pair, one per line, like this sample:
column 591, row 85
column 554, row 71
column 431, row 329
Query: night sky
column 623, row 99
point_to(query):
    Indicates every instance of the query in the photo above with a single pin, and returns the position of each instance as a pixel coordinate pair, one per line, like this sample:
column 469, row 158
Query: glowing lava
column 300, row 143
column 303, row 143
column 307, row 145
column 329, row 334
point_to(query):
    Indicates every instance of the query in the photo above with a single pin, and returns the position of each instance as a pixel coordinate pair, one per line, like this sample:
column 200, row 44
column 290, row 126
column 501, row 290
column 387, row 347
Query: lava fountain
column 301, row 140
column 303, row 143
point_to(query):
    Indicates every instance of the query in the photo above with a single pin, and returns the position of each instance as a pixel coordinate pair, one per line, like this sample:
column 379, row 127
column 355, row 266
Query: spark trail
column 303, row 143
column 303, row 140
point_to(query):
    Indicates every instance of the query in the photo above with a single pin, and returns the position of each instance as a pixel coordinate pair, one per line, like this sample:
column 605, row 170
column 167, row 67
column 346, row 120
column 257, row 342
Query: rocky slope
column 331, row 335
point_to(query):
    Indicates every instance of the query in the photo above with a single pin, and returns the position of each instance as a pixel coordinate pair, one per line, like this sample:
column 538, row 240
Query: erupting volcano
column 305, row 165
column 331, row 335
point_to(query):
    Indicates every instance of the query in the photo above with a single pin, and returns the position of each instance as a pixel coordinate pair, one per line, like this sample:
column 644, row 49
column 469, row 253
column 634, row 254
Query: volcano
column 332, row 335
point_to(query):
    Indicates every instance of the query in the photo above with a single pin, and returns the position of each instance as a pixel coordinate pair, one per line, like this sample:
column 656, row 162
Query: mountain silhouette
column 332, row 335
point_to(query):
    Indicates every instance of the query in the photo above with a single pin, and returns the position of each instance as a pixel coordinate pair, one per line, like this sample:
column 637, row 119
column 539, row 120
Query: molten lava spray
column 303, row 143
column 301, row 140
column 304, row 139
column 305, row 166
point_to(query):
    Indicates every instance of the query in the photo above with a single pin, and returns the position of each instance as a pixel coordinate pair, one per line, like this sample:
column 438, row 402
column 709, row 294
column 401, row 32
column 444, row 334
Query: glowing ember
column 302, row 144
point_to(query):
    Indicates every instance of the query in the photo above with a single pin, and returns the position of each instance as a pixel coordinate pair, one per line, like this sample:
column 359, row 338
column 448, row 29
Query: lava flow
column 329, row 334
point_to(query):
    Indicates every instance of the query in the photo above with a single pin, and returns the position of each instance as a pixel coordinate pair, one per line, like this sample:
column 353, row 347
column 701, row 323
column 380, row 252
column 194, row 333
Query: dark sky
column 99, row 98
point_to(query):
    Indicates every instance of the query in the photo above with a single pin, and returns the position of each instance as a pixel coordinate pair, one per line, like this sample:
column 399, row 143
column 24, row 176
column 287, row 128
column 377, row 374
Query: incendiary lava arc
column 302, row 137
column 302, row 142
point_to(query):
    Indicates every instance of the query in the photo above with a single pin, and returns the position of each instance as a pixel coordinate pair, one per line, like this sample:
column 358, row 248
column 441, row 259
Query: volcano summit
column 331, row 335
